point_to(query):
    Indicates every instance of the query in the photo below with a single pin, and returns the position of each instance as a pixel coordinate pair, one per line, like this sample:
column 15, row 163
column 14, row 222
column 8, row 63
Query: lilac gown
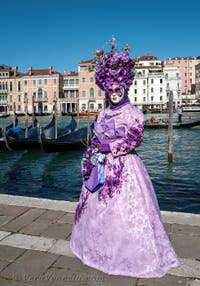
column 118, row 229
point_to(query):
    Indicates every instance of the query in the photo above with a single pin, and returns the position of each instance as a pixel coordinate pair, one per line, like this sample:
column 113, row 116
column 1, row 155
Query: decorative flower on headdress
column 114, row 68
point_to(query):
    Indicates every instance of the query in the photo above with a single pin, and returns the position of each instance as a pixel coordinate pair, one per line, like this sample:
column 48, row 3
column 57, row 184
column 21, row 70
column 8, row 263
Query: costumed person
column 118, row 227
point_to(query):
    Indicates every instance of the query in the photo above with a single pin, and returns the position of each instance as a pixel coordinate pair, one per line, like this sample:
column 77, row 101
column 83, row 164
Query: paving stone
column 71, row 263
column 115, row 280
column 3, row 264
column 28, row 242
column 186, row 246
column 69, row 237
column 167, row 227
column 35, row 228
column 23, row 220
column 12, row 210
column 51, row 215
column 80, row 278
column 180, row 218
column 59, row 205
column 58, row 231
column 66, row 277
column 196, row 282
column 9, row 253
column 185, row 229
column 30, row 264
column 8, row 282
column 188, row 268
column 3, row 234
column 5, row 219
column 167, row 280
column 67, row 218
column 61, row 247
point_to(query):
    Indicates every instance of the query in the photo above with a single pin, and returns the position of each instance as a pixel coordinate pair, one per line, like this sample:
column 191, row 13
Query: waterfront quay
column 34, row 247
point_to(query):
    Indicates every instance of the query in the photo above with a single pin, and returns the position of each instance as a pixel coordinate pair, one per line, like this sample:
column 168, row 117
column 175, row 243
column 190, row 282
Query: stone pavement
column 34, row 247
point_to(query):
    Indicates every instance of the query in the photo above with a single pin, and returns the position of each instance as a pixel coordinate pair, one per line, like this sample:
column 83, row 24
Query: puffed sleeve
column 134, row 123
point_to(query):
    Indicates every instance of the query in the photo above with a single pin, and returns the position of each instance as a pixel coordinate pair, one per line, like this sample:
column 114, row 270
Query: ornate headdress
column 114, row 67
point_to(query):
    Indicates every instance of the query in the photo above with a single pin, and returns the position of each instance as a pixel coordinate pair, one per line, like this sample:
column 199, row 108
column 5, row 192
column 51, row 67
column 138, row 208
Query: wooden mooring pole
column 170, row 128
column 14, row 114
column 26, row 118
column 56, row 119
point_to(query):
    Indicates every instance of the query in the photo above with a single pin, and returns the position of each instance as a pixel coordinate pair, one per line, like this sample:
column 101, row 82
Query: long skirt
column 118, row 229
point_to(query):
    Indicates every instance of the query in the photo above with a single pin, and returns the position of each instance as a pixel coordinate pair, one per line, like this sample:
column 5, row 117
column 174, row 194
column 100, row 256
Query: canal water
column 58, row 175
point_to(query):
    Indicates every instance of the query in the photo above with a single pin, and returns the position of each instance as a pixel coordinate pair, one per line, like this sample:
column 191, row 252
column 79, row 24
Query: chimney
column 30, row 71
column 15, row 68
column 65, row 71
column 50, row 69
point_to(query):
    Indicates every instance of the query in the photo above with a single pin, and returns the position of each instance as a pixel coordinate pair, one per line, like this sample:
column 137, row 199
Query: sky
column 62, row 33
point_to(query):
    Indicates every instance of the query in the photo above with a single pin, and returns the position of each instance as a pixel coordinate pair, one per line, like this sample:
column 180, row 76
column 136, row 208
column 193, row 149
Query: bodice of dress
column 121, row 128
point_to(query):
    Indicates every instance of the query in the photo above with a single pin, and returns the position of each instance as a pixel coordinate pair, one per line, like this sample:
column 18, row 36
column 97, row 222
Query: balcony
column 67, row 100
column 40, row 99
column 3, row 91
column 3, row 102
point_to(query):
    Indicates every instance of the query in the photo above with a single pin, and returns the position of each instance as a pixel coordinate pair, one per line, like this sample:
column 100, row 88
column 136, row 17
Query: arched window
column 39, row 92
column 91, row 92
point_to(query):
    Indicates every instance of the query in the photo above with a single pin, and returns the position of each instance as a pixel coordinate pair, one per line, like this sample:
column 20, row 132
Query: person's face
column 116, row 93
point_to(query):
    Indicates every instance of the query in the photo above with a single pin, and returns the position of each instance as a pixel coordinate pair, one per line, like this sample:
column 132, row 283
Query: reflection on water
column 58, row 175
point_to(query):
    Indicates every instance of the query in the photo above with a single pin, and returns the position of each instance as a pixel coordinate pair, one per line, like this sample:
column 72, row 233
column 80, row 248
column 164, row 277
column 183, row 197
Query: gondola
column 16, row 138
column 73, row 140
column 3, row 134
column 68, row 113
column 51, row 130
column 44, row 113
column 175, row 125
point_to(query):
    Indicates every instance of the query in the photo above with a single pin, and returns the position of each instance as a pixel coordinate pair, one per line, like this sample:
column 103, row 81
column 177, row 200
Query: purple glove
column 105, row 148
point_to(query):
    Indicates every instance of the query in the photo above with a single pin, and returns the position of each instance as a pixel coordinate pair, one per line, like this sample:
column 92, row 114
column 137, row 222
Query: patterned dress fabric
column 118, row 229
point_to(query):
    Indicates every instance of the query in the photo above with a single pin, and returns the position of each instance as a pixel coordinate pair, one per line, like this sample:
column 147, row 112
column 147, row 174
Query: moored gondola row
column 50, row 138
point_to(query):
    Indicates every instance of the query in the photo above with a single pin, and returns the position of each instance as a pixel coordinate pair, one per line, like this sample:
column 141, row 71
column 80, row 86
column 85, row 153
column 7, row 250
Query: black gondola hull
column 72, row 141
column 175, row 125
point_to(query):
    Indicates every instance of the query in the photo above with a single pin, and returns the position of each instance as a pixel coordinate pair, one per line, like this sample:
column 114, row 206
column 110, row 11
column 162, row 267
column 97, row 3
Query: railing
column 3, row 91
column 68, row 100
column 3, row 102
column 40, row 99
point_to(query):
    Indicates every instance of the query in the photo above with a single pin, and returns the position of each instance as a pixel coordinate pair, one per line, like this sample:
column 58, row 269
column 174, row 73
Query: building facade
column 11, row 89
column 91, row 97
column 41, row 89
column 186, row 65
column 197, row 81
column 70, row 100
column 149, row 90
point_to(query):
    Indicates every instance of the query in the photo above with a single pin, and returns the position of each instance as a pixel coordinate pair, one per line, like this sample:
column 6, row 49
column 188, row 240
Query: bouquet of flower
column 91, row 158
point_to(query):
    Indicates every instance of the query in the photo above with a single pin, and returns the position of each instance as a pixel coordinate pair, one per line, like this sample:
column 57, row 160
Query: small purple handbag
column 96, row 179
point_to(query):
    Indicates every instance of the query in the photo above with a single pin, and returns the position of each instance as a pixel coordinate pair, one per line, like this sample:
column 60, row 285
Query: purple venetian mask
column 117, row 96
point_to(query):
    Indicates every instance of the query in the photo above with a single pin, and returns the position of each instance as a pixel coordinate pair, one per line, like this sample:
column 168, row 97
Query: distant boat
column 69, row 113
column 175, row 125
column 4, row 115
column 191, row 108
column 92, row 114
column 19, row 113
